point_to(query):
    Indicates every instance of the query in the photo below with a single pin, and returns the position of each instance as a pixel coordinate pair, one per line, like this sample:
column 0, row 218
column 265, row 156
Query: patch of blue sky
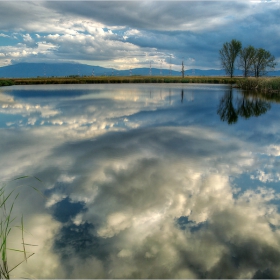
column 184, row 223
column 247, row 181
column 120, row 31
column 30, row 93
column 9, row 120
column 119, row 124
column 37, row 35
column 7, row 39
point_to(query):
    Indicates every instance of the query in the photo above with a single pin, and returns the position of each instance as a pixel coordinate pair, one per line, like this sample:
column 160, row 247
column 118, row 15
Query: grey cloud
column 19, row 16
column 150, row 15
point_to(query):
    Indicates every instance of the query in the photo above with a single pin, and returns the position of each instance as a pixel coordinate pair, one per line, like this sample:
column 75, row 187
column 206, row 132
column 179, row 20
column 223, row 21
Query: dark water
column 143, row 181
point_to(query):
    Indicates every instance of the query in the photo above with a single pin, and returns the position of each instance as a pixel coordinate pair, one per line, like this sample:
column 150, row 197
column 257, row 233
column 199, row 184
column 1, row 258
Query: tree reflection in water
column 246, row 106
column 226, row 109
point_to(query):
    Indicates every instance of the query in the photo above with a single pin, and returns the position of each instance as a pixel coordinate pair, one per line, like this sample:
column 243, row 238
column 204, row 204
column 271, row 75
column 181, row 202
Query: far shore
column 118, row 80
column 265, row 84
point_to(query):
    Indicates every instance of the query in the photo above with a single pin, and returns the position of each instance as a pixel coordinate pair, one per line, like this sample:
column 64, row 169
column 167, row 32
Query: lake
column 142, row 180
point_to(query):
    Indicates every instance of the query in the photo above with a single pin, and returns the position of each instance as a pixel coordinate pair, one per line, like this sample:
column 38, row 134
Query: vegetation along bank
column 118, row 80
column 264, row 84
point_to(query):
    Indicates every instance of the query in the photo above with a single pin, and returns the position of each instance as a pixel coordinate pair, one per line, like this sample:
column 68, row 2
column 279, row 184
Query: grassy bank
column 266, row 85
column 271, row 85
column 120, row 80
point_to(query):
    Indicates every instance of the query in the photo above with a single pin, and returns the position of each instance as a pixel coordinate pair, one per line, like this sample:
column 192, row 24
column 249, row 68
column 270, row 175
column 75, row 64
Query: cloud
column 26, row 51
column 151, row 16
column 129, row 34
column 153, row 201
column 4, row 35
column 141, row 206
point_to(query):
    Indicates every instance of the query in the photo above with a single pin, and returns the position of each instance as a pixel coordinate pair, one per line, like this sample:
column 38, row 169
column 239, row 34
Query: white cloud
column 4, row 35
column 27, row 38
column 9, row 106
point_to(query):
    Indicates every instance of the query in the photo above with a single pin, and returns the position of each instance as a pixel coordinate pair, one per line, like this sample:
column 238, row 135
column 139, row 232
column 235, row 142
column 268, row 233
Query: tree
column 263, row 60
column 246, row 60
column 228, row 54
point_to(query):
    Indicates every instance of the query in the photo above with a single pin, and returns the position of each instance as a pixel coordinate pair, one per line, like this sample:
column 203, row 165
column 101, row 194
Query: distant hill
column 30, row 70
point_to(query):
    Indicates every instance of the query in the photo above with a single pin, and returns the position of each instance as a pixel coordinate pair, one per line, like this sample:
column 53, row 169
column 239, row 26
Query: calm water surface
column 143, row 181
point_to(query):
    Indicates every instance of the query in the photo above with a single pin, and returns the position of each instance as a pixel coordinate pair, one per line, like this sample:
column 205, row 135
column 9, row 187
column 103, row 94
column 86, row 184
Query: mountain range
column 31, row 70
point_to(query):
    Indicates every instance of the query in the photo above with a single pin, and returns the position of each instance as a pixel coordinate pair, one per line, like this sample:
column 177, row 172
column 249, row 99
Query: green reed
column 123, row 80
column 265, row 85
column 8, row 223
column 6, row 83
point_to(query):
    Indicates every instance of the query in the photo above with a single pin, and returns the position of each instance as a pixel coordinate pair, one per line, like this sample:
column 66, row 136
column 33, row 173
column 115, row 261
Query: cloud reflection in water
column 156, row 201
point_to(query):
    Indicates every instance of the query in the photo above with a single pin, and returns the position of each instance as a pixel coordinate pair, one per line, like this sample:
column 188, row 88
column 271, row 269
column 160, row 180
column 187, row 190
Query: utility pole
column 150, row 68
column 183, row 69
column 170, row 66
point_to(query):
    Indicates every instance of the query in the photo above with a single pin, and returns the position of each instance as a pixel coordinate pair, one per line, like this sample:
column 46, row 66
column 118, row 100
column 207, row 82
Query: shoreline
column 262, row 84
column 116, row 80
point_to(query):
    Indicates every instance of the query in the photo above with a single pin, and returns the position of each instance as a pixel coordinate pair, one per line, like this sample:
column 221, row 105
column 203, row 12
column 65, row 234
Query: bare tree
column 228, row 54
column 246, row 60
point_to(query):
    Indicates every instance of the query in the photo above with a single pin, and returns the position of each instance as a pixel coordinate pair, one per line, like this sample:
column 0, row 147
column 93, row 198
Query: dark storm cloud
column 23, row 16
column 152, row 15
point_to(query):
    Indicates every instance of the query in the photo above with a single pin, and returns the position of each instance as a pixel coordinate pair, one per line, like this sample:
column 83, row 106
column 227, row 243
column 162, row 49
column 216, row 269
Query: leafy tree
column 228, row 54
column 246, row 59
column 263, row 60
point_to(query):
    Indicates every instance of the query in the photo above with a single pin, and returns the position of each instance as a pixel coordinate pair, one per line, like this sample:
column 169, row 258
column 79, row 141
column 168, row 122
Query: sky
column 134, row 34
